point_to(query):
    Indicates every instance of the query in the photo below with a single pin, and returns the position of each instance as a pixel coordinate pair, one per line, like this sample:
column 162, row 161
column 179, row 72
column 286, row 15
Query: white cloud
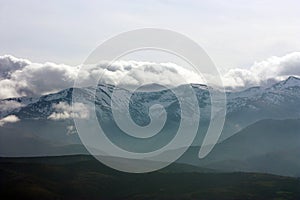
column 139, row 73
column 9, row 105
column 264, row 72
column 71, row 130
column 66, row 111
column 20, row 77
column 9, row 64
column 9, row 119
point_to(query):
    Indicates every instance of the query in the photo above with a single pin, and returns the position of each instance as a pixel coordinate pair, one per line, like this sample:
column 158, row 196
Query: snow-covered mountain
column 261, row 125
column 50, row 116
column 279, row 101
column 286, row 91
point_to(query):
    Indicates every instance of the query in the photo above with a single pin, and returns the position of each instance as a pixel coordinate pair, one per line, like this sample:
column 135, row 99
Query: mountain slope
column 271, row 146
column 279, row 101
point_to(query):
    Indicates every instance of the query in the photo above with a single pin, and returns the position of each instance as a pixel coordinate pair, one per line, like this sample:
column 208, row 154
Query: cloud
column 20, row 77
column 9, row 105
column 9, row 64
column 139, row 73
column 71, row 130
column 264, row 72
column 66, row 111
column 9, row 119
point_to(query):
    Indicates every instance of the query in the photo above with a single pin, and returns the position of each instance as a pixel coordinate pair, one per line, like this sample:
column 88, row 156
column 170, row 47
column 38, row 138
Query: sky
column 249, row 41
column 234, row 33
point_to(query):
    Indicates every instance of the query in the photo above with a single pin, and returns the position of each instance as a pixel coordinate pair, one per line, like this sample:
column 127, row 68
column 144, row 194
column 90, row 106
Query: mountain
column 35, row 114
column 279, row 101
column 268, row 146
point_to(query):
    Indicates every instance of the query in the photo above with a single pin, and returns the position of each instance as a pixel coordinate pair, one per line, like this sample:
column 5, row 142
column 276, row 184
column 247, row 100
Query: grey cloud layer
column 20, row 77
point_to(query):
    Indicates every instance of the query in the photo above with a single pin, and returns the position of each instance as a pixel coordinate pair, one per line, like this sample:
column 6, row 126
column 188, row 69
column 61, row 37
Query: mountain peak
column 292, row 78
column 291, row 81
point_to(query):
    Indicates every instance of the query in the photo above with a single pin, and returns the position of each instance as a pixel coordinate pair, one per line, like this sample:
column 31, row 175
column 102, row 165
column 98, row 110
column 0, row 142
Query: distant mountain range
column 261, row 127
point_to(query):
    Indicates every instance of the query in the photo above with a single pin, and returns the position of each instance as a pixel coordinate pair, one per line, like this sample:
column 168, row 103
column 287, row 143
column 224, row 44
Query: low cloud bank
column 21, row 77
column 66, row 111
column 9, row 119
column 264, row 72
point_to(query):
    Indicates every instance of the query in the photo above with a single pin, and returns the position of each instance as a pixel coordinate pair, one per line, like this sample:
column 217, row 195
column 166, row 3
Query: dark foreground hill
column 82, row 177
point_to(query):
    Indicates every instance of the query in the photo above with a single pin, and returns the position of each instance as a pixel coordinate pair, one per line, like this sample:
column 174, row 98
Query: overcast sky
column 234, row 33
column 251, row 42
